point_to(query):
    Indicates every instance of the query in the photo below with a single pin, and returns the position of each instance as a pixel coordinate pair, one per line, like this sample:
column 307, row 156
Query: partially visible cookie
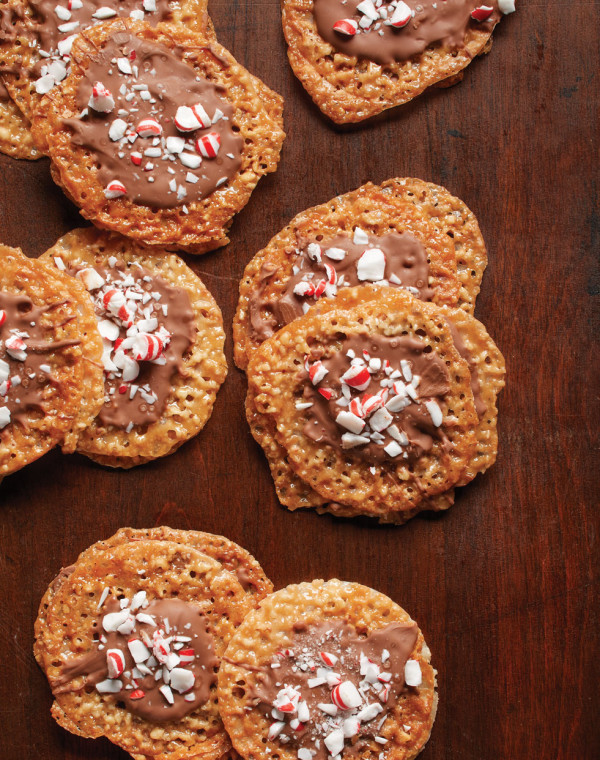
column 357, row 58
column 50, row 353
column 379, row 234
column 165, row 147
column 131, row 644
column 163, row 346
column 328, row 670
column 372, row 403
column 15, row 129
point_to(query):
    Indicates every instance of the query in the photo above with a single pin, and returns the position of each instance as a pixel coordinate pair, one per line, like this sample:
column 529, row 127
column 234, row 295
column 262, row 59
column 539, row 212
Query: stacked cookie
column 144, row 353
column 371, row 387
column 154, row 130
column 171, row 644
column 356, row 58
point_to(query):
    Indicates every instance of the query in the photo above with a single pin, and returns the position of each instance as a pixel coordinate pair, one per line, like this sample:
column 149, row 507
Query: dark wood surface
column 505, row 585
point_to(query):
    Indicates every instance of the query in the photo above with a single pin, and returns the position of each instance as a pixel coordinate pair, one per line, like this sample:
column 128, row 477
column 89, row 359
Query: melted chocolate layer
column 175, row 618
column 405, row 266
column 414, row 421
column 172, row 309
column 434, row 21
column 23, row 381
column 154, row 171
column 389, row 648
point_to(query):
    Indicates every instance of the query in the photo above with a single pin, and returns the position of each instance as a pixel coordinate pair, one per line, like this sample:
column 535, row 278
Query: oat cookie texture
column 131, row 635
column 357, row 58
column 327, row 669
column 163, row 338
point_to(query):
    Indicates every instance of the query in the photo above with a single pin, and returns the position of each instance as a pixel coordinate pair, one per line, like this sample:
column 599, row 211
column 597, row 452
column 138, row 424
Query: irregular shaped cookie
column 390, row 235
column 50, row 352
column 487, row 371
column 165, row 147
column 356, row 58
column 372, row 404
column 132, row 644
column 327, row 670
column 163, row 346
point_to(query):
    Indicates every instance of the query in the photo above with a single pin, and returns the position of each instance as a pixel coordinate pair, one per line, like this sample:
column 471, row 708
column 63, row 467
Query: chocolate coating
column 442, row 21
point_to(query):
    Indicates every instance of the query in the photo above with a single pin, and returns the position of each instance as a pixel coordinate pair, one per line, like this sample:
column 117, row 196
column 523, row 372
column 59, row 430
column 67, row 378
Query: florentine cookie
column 355, row 58
column 166, row 144
column 327, row 670
column 372, row 404
column 487, row 371
column 389, row 234
column 163, row 346
column 131, row 645
column 50, row 352
column 36, row 36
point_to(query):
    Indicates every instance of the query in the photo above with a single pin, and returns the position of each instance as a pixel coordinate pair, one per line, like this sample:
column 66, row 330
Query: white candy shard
column 434, row 412
column 371, row 265
column 109, row 686
column 367, row 7
column 335, row 741
column 412, row 673
column 4, row 416
column 104, row 12
column 381, row 420
column 117, row 129
column 101, row 99
column 182, row 680
column 360, row 237
column 91, row 278
column 337, row 254
column 350, row 421
column 167, row 693
column 506, row 6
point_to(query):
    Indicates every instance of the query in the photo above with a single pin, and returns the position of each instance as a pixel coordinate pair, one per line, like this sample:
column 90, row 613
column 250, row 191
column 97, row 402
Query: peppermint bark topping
column 380, row 397
column 60, row 22
column 146, row 327
column 26, row 375
column 156, row 656
column 332, row 689
column 395, row 31
column 163, row 136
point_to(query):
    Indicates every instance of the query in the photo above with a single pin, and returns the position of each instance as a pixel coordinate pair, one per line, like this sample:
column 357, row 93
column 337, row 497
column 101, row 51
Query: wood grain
column 505, row 585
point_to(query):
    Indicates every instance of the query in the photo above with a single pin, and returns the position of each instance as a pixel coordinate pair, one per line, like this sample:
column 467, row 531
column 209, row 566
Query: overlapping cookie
column 50, row 351
column 327, row 670
column 369, row 438
column 130, row 638
column 158, row 133
column 406, row 233
column 356, row 58
column 163, row 340
column 15, row 130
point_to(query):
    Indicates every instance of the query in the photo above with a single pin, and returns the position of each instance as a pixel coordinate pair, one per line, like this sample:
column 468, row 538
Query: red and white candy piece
column 401, row 15
column 331, row 274
column 149, row 128
column 2, row 317
column 101, row 99
column 320, row 288
column 357, row 377
column 90, row 278
column 347, row 27
column 115, row 662
column 371, row 265
column 275, row 729
column 186, row 656
column 115, row 302
column 482, row 13
column 351, row 727
column 16, row 347
column 370, row 403
column 136, row 158
column 304, row 288
column 346, row 696
column 146, row 347
column 328, row 658
column 384, row 694
column 326, row 393
column 114, row 189
column 137, row 694
column 317, row 372
column 208, row 145
column 189, row 119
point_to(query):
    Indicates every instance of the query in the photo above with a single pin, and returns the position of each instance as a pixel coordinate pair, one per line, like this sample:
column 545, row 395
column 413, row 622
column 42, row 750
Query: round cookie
column 410, row 450
column 316, row 650
column 355, row 75
column 181, row 608
column 157, row 401
column 36, row 36
column 192, row 181
column 321, row 251
column 50, row 350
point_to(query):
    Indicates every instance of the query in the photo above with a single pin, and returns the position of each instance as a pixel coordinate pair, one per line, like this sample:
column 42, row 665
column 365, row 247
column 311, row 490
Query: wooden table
column 504, row 584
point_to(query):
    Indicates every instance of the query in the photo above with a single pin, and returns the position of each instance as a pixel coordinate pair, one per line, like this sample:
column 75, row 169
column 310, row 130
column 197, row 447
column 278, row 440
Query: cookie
column 389, row 234
column 36, row 36
column 327, row 670
column 50, row 351
column 131, row 645
column 356, row 58
column 166, row 150
column 163, row 340
column 15, row 129
column 354, row 423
